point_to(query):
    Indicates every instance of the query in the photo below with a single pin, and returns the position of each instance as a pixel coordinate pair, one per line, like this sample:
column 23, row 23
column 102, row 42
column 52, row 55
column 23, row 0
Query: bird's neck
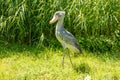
column 59, row 24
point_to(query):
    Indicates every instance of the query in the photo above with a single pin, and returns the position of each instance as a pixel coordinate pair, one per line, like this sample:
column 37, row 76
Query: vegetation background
column 95, row 23
column 25, row 32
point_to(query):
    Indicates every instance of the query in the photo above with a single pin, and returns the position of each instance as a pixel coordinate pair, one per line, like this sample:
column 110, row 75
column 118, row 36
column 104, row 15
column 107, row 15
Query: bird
column 68, row 41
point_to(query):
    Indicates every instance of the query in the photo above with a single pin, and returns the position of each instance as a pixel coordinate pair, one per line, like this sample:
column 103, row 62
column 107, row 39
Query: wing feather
column 66, row 37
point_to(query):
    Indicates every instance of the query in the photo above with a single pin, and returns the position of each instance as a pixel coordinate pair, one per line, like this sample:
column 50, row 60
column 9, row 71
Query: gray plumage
column 67, row 40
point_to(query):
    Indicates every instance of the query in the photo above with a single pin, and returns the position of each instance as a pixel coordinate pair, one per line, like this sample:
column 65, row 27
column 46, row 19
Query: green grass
column 26, row 63
column 95, row 22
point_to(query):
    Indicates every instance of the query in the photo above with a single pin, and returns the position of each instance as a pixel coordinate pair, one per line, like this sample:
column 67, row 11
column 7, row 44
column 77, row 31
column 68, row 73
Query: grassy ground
column 24, row 63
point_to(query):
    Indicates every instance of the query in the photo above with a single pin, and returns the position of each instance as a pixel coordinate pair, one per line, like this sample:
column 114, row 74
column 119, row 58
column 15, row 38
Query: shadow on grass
column 6, row 50
column 109, row 56
column 112, row 56
column 15, row 49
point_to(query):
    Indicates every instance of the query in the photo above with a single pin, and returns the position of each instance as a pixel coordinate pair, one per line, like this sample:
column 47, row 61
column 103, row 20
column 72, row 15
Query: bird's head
column 57, row 16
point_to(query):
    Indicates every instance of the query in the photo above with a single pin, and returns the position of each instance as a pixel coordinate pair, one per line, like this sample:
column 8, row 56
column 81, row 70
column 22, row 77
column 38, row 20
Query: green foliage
column 101, row 44
column 20, row 62
column 24, row 21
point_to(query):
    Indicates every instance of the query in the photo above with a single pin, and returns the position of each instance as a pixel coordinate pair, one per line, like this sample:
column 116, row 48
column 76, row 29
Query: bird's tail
column 80, row 50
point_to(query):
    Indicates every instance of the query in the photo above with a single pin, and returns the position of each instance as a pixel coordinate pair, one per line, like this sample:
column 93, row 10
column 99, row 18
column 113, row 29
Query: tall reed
column 24, row 21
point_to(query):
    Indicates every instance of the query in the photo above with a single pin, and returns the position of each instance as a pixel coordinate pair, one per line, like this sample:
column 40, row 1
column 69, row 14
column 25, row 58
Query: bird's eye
column 57, row 13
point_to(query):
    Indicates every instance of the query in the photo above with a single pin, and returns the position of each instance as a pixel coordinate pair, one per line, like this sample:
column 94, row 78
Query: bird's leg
column 69, row 57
